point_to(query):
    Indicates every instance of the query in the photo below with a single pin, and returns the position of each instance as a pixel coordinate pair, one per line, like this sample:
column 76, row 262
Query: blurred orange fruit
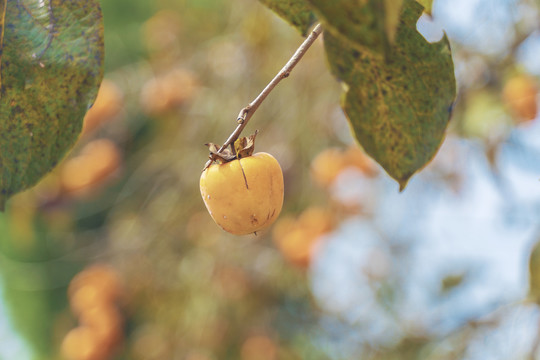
column 108, row 104
column 93, row 296
column 283, row 226
column 329, row 163
column 82, row 343
column 357, row 158
column 96, row 161
column 86, row 297
column 95, row 286
column 259, row 348
column 296, row 246
column 106, row 321
column 519, row 94
column 196, row 355
column 163, row 93
column 316, row 220
column 297, row 238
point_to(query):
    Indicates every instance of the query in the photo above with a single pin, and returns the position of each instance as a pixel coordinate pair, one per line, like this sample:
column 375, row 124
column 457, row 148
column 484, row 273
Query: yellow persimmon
column 244, row 195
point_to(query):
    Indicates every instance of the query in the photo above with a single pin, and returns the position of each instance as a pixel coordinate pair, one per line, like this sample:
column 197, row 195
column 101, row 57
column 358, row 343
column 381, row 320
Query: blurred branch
column 536, row 344
column 247, row 112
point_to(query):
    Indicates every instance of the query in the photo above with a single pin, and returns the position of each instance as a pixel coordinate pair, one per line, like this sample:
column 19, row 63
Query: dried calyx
column 241, row 148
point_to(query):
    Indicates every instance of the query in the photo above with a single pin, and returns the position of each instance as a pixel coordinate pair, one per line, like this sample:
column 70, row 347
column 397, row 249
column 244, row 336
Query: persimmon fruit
column 106, row 321
column 98, row 160
column 519, row 94
column 244, row 195
column 330, row 162
column 97, row 285
column 297, row 239
column 82, row 343
column 259, row 347
column 327, row 165
column 108, row 104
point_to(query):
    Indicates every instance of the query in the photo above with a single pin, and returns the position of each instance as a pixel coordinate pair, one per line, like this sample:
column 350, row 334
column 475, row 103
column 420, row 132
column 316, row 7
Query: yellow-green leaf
column 361, row 24
column 398, row 104
column 51, row 68
column 391, row 21
column 295, row 12
column 534, row 273
column 427, row 4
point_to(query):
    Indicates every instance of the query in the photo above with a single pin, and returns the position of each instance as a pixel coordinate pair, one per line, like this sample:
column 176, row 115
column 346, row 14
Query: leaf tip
column 403, row 184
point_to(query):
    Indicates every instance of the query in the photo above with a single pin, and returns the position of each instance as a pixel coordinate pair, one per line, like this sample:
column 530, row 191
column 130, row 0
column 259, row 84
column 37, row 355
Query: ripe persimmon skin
column 244, row 195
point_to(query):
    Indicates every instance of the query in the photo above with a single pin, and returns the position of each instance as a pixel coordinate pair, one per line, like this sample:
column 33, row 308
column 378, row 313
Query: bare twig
column 247, row 112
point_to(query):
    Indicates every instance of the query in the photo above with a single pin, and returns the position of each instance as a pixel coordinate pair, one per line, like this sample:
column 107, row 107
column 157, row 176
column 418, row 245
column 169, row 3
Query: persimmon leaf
column 359, row 23
column 427, row 4
column 51, row 67
column 534, row 273
column 295, row 12
column 398, row 104
column 391, row 20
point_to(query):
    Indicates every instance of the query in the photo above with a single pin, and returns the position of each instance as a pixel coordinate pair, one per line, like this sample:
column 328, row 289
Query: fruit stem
column 247, row 112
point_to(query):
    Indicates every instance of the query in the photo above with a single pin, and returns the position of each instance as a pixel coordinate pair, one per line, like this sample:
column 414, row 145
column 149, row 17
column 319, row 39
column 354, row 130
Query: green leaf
column 33, row 276
column 427, row 4
column 295, row 12
column 369, row 23
column 398, row 105
column 51, row 68
column 391, row 21
column 534, row 273
column 358, row 23
column 362, row 22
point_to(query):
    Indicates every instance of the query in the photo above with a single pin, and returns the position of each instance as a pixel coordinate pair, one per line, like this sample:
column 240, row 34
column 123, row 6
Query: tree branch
column 247, row 112
column 536, row 344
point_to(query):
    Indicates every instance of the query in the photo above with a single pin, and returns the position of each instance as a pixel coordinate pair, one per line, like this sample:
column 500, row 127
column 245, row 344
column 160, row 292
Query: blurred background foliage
column 113, row 255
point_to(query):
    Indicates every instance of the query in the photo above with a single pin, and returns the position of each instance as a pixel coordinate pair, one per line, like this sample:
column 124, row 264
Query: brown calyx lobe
column 241, row 148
